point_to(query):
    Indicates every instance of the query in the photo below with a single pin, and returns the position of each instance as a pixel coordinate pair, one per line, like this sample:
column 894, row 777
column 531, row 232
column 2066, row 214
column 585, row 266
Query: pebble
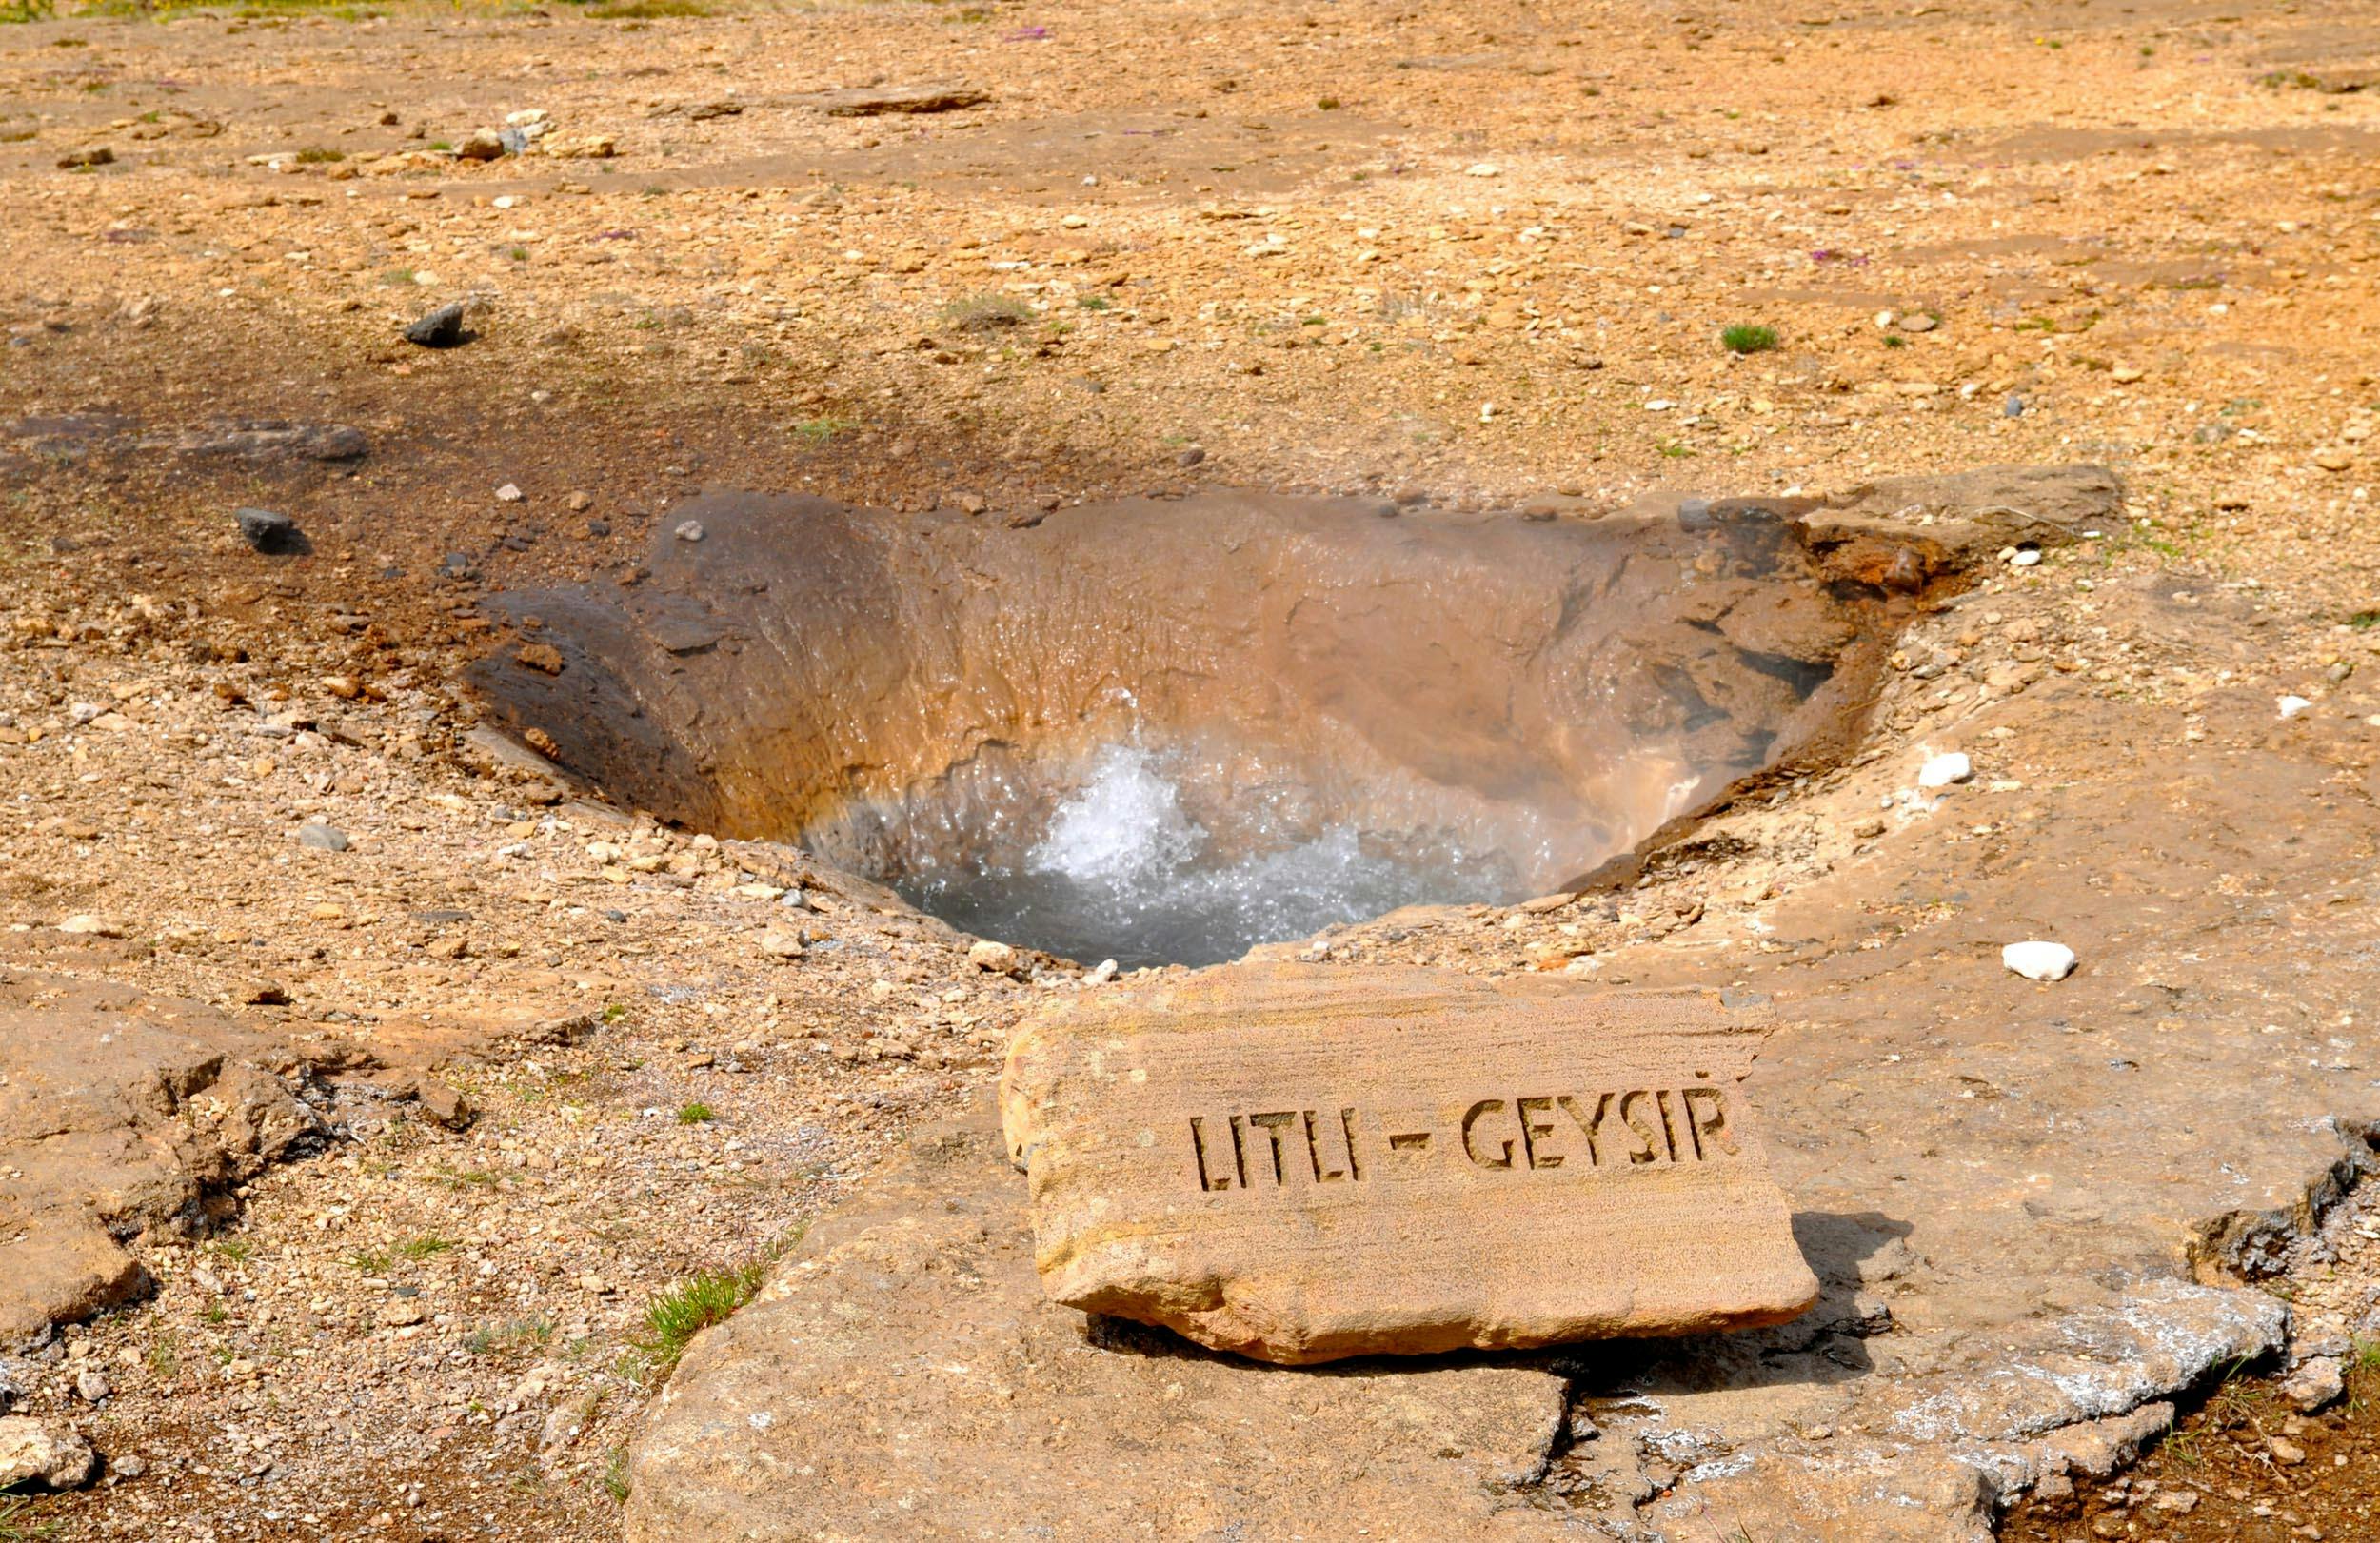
column 2038, row 960
column 511, row 493
column 781, row 945
column 322, row 837
column 1100, row 977
column 441, row 329
column 2315, row 1385
column 90, row 926
column 91, row 1385
column 690, row 530
column 2285, row 1452
column 2292, row 706
column 267, row 531
column 1942, row 770
column 2014, row 407
column 987, row 954
column 2334, row 459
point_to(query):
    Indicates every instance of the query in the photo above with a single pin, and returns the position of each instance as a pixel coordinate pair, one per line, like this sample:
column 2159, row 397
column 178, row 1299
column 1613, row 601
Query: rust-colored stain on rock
column 1300, row 1163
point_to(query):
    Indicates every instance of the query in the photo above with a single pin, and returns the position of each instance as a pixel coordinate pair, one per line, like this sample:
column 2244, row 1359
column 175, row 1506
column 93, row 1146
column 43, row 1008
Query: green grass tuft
column 819, row 430
column 676, row 1315
column 985, row 313
column 17, row 1522
column 646, row 10
column 696, row 1114
column 1744, row 337
column 524, row 1336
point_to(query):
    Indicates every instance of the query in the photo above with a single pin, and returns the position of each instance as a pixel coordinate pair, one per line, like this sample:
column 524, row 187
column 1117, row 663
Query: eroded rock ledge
column 121, row 1111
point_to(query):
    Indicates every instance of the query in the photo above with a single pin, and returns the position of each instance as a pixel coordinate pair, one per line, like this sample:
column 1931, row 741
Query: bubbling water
column 1123, row 871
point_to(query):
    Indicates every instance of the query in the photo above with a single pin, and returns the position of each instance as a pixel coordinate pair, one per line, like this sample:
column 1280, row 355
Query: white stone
column 511, row 493
column 2038, row 960
column 2292, row 706
column 690, row 530
column 1942, row 770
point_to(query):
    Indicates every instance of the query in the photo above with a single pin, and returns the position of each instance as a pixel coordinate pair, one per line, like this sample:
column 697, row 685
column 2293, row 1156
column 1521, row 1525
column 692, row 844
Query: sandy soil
column 1481, row 253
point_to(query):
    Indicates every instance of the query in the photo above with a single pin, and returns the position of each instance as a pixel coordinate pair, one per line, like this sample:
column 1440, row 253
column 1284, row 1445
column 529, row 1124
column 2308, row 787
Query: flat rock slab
column 877, row 101
column 903, row 1376
column 119, row 1111
column 1302, row 1162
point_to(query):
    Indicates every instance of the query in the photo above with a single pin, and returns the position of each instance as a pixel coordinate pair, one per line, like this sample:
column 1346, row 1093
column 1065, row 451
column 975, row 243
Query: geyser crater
column 1166, row 731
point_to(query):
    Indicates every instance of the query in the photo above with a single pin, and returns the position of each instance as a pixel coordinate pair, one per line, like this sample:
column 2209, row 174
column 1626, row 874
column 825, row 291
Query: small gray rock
column 2014, row 407
column 266, row 531
column 323, row 838
column 441, row 329
column 91, row 1385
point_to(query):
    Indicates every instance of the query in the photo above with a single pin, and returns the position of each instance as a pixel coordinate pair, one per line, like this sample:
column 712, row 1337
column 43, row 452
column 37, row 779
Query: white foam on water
column 1122, row 869
column 1124, row 828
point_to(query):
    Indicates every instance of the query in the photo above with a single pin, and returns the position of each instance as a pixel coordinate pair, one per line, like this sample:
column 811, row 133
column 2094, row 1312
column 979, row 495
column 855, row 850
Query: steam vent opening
column 1166, row 731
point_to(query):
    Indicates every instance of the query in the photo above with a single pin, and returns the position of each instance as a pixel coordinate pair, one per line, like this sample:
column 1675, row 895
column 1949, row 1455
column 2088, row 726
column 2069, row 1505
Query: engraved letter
column 1668, row 1132
column 1347, row 1129
column 1274, row 1124
column 1198, row 1151
column 1314, row 1156
column 1532, row 1132
column 1471, row 1119
column 1646, row 1149
column 1707, row 1109
column 1587, row 1123
column 1240, row 1151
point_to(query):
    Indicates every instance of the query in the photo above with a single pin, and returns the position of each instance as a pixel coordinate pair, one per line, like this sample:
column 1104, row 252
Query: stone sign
column 1300, row 1164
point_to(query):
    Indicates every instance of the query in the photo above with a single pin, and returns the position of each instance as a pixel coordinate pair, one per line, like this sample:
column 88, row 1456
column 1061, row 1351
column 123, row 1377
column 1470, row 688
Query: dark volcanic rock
column 275, row 535
column 441, row 329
